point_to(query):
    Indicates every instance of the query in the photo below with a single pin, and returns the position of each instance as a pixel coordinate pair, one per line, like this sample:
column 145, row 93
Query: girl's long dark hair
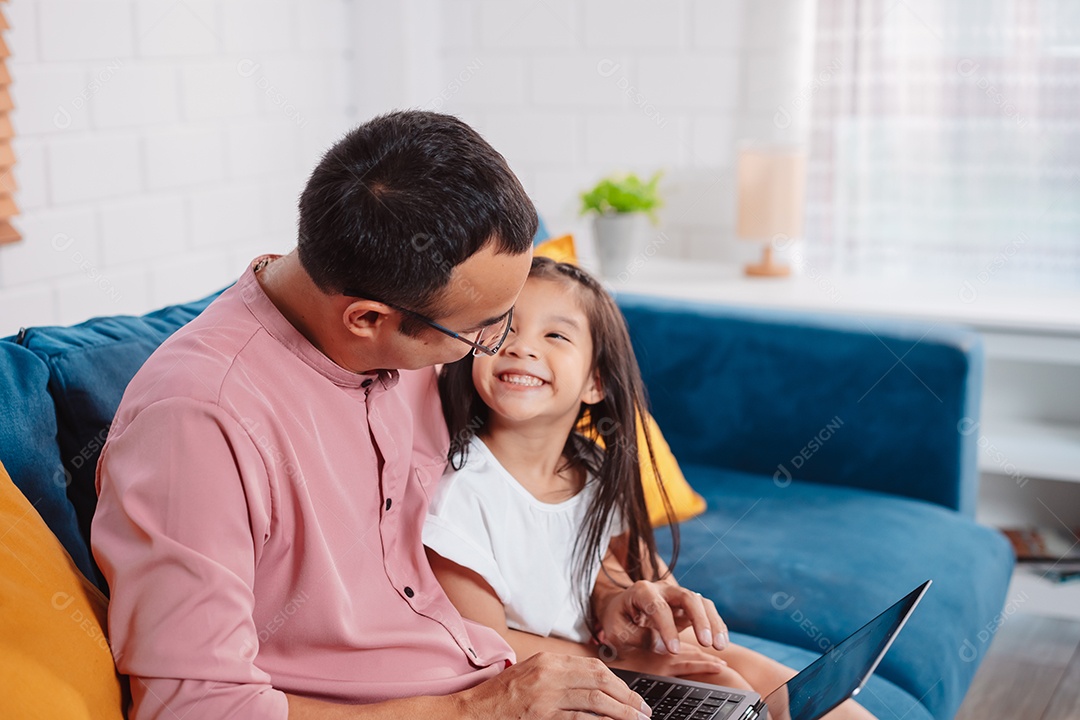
column 617, row 468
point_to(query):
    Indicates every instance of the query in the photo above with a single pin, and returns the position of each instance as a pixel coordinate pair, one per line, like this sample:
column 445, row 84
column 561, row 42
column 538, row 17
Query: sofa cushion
column 89, row 366
column 560, row 249
column 28, row 446
column 54, row 657
column 685, row 502
column 806, row 564
column 882, row 698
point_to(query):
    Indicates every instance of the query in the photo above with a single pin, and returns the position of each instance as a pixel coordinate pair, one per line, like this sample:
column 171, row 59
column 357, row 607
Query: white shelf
column 1030, row 448
column 1032, row 348
column 1048, row 313
column 1031, row 594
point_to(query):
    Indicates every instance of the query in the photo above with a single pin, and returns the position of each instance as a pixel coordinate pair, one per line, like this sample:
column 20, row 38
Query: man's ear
column 365, row 318
column 594, row 391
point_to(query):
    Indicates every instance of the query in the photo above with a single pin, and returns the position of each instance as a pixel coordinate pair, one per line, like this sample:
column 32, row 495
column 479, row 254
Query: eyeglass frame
column 477, row 347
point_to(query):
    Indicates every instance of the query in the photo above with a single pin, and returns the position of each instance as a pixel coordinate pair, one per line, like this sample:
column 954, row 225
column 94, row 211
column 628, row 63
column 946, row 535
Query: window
column 945, row 140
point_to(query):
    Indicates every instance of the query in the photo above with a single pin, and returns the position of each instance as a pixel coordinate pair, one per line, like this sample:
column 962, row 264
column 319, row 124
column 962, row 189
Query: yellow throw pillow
column 560, row 249
column 685, row 503
column 54, row 657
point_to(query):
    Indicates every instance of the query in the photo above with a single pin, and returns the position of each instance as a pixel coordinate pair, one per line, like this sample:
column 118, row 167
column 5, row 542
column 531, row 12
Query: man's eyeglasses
column 488, row 338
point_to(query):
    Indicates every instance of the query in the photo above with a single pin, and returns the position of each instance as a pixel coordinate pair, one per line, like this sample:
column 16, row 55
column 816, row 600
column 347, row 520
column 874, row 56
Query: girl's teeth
column 522, row 380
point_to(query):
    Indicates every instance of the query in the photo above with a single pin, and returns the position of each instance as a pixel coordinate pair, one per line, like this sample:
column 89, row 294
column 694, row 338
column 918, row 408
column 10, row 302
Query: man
column 264, row 484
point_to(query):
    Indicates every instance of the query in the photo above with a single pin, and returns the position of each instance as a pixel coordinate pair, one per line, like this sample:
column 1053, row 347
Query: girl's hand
column 629, row 616
column 691, row 660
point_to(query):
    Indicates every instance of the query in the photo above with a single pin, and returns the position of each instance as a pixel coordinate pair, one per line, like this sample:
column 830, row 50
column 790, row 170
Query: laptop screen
column 840, row 672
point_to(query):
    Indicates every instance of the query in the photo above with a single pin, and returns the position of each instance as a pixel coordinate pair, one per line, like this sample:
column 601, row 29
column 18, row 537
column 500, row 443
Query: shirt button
column 367, row 383
column 409, row 591
column 387, row 503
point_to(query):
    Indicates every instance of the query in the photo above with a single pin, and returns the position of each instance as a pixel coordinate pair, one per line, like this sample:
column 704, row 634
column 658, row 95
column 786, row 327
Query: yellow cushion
column 54, row 657
column 560, row 249
column 684, row 501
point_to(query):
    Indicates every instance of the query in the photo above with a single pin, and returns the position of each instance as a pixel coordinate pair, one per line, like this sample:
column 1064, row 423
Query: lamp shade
column 772, row 188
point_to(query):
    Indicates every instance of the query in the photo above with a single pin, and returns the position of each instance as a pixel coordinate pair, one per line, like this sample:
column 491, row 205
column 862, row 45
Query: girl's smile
column 521, row 379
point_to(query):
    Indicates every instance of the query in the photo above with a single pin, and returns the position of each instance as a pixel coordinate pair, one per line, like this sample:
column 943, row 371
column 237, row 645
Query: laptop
column 834, row 677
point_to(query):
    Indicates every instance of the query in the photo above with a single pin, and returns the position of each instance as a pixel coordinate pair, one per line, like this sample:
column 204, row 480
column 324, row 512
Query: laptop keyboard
column 673, row 701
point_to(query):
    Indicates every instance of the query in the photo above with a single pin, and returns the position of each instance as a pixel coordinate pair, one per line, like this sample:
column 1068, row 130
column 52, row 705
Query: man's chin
column 452, row 359
column 413, row 363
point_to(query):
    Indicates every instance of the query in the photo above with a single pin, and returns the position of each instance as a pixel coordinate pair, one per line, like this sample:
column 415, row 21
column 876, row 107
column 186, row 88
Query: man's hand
column 549, row 685
column 650, row 615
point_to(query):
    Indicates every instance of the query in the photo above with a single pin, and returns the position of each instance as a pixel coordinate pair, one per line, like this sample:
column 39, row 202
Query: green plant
column 623, row 193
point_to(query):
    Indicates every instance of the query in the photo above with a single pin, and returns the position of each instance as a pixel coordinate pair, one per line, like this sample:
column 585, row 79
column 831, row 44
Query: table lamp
column 771, row 191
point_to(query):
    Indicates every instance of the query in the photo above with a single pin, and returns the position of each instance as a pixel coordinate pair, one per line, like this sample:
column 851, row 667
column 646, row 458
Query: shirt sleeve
column 183, row 509
column 457, row 529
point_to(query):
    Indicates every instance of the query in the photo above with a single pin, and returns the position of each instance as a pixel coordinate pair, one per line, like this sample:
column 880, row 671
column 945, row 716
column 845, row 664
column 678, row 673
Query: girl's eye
column 556, row 336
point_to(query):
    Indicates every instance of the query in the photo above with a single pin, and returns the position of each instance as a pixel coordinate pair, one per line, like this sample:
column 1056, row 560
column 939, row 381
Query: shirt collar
column 264, row 310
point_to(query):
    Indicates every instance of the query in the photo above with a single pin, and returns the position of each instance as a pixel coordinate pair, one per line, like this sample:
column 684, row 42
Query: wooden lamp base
column 767, row 268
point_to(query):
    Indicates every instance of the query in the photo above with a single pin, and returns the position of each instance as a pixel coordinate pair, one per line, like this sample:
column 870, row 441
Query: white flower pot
column 620, row 238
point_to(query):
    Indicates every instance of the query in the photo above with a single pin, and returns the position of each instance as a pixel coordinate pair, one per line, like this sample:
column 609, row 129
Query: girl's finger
column 720, row 638
column 661, row 620
column 694, row 606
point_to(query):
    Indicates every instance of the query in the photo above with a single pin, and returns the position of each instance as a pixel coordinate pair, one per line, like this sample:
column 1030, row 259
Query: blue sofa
column 827, row 449
column 837, row 461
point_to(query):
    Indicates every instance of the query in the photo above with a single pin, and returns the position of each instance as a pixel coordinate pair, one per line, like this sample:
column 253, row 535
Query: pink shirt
column 259, row 524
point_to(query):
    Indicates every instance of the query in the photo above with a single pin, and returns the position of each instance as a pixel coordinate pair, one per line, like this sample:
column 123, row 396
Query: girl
column 533, row 511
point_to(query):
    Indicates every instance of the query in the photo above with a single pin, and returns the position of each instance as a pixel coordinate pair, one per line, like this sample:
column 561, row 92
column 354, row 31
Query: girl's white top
column 483, row 519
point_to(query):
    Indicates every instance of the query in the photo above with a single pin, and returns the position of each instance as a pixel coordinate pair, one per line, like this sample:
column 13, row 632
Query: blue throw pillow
column 542, row 233
column 28, row 446
column 89, row 367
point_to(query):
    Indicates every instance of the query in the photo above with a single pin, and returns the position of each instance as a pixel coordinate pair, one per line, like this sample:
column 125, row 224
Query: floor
column 1032, row 672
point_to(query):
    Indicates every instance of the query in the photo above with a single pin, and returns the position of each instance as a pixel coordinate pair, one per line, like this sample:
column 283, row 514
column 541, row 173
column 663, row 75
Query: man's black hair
column 400, row 201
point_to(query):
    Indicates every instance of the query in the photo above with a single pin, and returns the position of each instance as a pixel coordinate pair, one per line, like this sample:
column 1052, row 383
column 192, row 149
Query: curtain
column 944, row 140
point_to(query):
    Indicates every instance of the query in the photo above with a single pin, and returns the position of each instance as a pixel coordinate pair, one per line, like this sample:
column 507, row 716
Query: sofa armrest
column 860, row 402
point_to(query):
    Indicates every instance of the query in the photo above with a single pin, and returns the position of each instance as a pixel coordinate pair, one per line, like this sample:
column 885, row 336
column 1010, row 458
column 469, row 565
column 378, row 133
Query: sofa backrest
column 86, row 368
column 28, row 446
column 851, row 401
column 836, row 400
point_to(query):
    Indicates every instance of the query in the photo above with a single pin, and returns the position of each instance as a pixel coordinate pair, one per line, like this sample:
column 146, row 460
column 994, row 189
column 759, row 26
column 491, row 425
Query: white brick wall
column 93, row 167
column 184, row 156
column 81, row 31
column 65, row 241
column 170, row 29
column 135, row 230
column 521, row 25
column 163, row 144
column 644, row 25
column 570, row 91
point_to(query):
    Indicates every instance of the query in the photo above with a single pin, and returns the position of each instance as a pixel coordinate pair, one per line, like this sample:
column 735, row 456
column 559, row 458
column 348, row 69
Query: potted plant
column 623, row 205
